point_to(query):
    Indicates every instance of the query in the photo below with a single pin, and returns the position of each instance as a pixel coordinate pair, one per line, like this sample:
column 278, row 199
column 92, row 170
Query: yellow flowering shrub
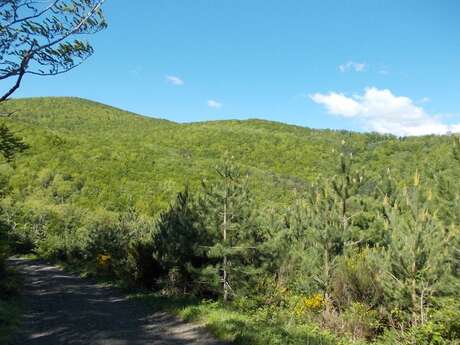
column 309, row 304
column 103, row 261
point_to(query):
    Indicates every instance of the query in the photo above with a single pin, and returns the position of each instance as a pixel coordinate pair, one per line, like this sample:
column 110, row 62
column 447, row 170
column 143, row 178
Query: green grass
column 237, row 327
column 10, row 304
column 10, row 314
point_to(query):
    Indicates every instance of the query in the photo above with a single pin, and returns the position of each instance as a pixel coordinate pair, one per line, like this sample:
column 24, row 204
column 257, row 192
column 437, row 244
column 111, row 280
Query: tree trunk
column 327, row 269
column 414, row 294
column 344, row 215
column 224, row 266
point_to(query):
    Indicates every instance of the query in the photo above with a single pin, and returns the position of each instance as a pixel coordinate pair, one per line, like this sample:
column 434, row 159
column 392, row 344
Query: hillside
column 361, row 257
column 94, row 155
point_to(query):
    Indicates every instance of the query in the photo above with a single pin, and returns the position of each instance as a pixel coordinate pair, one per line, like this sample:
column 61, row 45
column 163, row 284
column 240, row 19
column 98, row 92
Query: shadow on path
column 65, row 309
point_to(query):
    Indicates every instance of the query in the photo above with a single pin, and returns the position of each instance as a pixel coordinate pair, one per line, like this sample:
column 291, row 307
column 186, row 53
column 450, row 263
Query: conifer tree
column 456, row 149
column 10, row 144
column 228, row 214
column 346, row 184
column 450, row 195
column 331, row 213
column 418, row 256
column 327, row 229
column 320, row 226
column 291, row 242
column 179, row 244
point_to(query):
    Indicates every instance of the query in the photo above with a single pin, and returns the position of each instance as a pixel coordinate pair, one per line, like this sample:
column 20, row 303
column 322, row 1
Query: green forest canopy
column 93, row 155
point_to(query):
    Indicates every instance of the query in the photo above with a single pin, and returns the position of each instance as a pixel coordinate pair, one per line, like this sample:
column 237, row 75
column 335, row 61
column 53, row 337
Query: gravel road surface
column 63, row 309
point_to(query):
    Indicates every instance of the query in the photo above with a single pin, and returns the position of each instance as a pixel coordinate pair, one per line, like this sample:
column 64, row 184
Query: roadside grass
column 10, row 305
column 236, row 327
column 10, row 315
column 226, row 322
column 89, row 271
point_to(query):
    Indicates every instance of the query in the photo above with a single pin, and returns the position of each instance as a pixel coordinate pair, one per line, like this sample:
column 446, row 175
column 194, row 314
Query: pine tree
column 320, row 227
column 228, row 212
column 179, row 245
column 418, row 257
column 332, row 212
column 10, row 144
column 346, row 184
column 326, row 221
column 456, row 149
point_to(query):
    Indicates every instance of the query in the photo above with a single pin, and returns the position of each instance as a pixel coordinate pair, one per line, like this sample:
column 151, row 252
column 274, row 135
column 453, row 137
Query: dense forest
column 357, row 234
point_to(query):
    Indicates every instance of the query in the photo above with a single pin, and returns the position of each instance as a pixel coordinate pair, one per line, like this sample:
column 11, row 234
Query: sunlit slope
column 94, row 155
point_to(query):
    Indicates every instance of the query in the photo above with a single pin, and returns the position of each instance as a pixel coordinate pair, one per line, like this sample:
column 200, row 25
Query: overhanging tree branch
column 22, row 72
column 33, row 16
column 36, row 37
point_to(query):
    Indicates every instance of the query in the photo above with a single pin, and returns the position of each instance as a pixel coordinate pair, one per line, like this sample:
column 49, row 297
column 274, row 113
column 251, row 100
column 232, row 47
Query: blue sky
column 389, row 66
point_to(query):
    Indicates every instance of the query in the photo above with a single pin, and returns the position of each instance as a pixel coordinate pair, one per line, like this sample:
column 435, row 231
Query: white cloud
column 214, row 104
column 172, row 79
column 352, row 65
column 383, row 112
column 338, row 104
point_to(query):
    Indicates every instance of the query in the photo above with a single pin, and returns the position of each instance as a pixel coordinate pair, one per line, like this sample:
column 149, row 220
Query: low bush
column 356, row 279
column 10, row 284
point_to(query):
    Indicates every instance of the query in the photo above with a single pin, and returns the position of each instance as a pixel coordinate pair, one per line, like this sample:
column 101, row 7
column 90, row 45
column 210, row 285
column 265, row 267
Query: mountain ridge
column 149, row 160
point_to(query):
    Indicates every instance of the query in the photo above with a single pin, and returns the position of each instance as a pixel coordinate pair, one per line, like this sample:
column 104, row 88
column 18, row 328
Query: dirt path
column 65, row 309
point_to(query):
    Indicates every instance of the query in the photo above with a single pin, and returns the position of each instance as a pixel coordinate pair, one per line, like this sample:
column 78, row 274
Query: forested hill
column 92, row 155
